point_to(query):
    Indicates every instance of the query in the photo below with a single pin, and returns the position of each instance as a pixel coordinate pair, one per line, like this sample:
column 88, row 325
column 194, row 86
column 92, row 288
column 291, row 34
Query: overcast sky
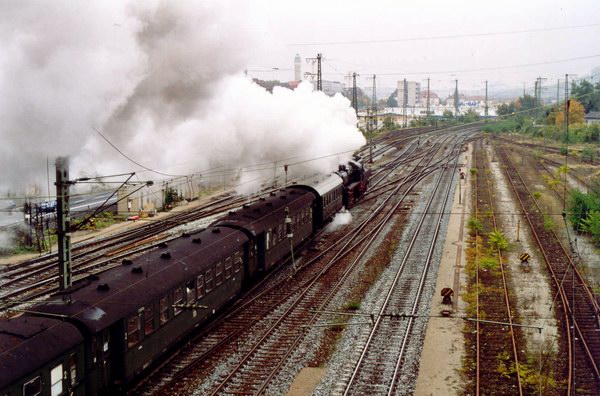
column 78, row 75
column 310, row 27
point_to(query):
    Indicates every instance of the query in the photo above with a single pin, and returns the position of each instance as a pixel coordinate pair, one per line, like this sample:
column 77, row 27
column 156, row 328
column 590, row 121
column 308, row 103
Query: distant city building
column 434, row 99
column 412, row 95
column 593, row 117
column 297, row 68
column 330, row 87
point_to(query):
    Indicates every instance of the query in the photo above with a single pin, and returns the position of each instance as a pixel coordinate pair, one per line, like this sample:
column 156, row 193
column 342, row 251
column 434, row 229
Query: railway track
column 492, row 297
column 270, row 306
column 273, row 332
column 579, row 310
column 34, row 279
column 382, row 364
column 541, row 165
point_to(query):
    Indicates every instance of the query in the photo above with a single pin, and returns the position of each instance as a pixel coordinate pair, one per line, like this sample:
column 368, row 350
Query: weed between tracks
column 479, row 252
column 483, row 243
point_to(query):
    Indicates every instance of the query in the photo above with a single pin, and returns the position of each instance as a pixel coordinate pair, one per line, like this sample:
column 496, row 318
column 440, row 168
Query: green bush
column 474, row 225
column 489, row 263
column 497, row 241
column 548, row 223
column 589, row 153
column 580, row 206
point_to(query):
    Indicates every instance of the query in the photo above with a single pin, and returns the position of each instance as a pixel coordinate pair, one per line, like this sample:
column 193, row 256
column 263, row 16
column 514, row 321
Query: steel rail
column 306, row 289
column 507, row 302
column 388, row 296
column 581, row 286
column 347, row 245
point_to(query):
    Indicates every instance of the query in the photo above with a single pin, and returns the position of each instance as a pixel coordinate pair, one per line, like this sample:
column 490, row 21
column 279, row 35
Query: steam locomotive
column 106, row 329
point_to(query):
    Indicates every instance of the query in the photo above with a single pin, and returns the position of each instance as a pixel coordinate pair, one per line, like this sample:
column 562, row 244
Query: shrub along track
column 554, row 181
column 496, row 345
column 579, row 310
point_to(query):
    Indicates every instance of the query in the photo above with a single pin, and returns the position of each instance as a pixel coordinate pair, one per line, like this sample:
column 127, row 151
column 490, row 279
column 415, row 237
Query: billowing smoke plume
column 162, row 81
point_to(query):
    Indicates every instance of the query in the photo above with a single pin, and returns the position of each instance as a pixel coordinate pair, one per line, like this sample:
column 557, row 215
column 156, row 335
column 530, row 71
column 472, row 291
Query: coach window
column 73, row 368
column 178, row 300
column 33, row 387
column 164, row 310
column 267, row 239
column 148, row 319
column 200, row 286
column 228, row 271
column 106, row 343
column 219, row 273
column 237, row 262
column 190, row 288
column 56, row 385
column 95, row 351
column 133, row 330
column 209, row 281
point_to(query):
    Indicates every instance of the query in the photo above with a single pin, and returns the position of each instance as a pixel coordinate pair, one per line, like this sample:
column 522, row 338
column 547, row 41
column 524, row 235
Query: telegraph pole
column 374, row 104
column 404, row 103
column 63, row 223
column 319, row 75
column 557, row 93
column 456, row 99
column 486, row 101
column 428, row 106
column 354, row 93
column 374, row 119
column 535, row 98
column 539, row 103
column 567, row 108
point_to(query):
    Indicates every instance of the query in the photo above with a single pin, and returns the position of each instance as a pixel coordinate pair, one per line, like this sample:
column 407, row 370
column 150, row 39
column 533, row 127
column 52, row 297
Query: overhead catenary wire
column 447, row 37
column 131, row 159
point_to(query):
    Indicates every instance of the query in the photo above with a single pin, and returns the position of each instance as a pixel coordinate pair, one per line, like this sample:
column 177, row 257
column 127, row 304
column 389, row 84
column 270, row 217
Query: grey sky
column 161, row 70
column 283, row 23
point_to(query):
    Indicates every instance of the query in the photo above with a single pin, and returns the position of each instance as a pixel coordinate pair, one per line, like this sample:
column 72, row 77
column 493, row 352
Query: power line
column 492, row 68
column 132, row 160
column 453, row 36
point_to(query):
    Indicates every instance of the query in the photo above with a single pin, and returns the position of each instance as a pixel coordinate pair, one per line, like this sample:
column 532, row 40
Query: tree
column 388, row 123
column 448, row 114
column 588, row 94
column 470, row 116
column 392, row 101
column 576, row 114
column 505, row 109
column 526, row 103
column 363, row 100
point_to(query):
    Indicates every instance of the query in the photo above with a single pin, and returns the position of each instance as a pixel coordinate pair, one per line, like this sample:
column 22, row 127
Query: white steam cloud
column 162, row 81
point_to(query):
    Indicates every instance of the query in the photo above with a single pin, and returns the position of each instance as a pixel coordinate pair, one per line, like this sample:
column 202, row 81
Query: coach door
column 101, row 351
column 261, row 251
